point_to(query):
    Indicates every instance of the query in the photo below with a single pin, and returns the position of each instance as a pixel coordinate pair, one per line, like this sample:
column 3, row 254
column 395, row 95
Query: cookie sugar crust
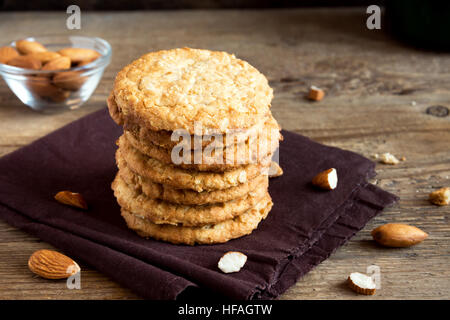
column 172, row 89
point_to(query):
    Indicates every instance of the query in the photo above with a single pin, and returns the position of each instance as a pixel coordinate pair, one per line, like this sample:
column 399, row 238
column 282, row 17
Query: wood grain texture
column 377, row 95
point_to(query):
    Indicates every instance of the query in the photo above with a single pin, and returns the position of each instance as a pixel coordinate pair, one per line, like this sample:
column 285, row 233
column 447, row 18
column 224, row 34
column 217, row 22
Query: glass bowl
column 54, row 90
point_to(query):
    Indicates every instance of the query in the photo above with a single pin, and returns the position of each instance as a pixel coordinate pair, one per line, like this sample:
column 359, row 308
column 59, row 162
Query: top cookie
column 172, row 89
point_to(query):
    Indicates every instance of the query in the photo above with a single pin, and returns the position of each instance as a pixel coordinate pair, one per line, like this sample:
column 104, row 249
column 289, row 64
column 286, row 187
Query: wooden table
column 377, row 96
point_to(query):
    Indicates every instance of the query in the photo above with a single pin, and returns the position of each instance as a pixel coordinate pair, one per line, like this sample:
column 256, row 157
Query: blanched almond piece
column 25, row 62
column 26, row 47
column 77, row 55
column 60, row 63
column 232, row 261
column 361, row 283
column 275, row 170
column 70, row 80
column 440, row 197
column 7, row 53
column 45, row 56
column 72, row 199
column 326, row 180
column 388, row 158
column 398, row 235
column 50, row 264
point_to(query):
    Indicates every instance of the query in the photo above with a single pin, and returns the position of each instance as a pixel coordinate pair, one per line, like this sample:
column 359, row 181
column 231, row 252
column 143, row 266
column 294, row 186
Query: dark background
column 175, row 4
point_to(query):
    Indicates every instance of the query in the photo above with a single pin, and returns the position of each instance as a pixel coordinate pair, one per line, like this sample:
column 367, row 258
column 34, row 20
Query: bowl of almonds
column 54, row 73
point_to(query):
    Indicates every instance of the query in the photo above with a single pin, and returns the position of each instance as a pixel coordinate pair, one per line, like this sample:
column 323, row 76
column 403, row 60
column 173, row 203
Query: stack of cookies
column 197, row 144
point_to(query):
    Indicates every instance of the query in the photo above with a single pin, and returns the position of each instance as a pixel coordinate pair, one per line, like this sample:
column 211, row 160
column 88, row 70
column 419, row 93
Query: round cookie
column 185, row 196
column 178, row 88
column 163, row 138
column 162, row 212
column 184, row 179
column 219, row 159
column 217, row 233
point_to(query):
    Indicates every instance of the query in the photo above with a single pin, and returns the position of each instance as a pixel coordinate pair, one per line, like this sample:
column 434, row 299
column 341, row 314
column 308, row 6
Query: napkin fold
column 304, row 227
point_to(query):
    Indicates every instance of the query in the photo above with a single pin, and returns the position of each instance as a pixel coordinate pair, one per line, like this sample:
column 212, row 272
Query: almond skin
column 45, row 56
column 52, row 265
column 70, row 80
column 25, row 62
column 398, row 235
column 60, row 63
column 72, row 199
column 7, row 53
column 78, row 55
column 26, row 47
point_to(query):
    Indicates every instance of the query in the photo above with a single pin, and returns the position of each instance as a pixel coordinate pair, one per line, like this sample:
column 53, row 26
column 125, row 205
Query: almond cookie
column 179, row 178
column 178, row 88
column 162, row 212
column 185, row 196
column 219, row 159
column 216, row 233
column 162, row 138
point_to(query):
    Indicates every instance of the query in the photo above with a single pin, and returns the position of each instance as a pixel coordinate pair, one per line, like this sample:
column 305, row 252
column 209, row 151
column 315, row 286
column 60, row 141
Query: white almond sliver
column 232, row 261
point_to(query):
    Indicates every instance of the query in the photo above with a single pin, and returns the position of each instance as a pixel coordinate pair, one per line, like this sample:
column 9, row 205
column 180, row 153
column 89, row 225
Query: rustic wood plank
column 377, row 95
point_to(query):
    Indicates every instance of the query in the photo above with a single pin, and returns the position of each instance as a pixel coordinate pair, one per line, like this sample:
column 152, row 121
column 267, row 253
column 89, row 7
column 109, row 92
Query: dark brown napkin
column 304, row 227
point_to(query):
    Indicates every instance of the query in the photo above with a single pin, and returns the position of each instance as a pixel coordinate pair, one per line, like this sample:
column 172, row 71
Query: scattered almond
column 26, row 47
column 326, row 179
column 440, row 197
column 7, row 53
column 315, row 93
column 388, row 158
column 70, row 80
column 25, row 62
column 403, row 158
column 361, row 283
column 275, row 170
column 52, row 265
column 60, row 63
column 72, row 199
column 232, row 261
column 398, row 235
column 78, row 55
column 45, row 56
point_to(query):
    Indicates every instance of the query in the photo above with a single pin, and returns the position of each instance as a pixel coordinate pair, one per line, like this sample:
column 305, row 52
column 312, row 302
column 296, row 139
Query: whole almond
column 78, row 55
column 7, row 53
column 60, row 63
column 72, row 199
column 25, row 62
column 26, row 47
column 84, row 63
column 43, row 88
column 52, row 265
column 398, row 235
column 70, row 80
column 45, row 56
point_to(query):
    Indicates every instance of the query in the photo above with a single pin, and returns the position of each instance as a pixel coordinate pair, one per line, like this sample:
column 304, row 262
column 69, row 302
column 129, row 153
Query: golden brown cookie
column 218, row 159
column 163, row 212
column 163, row 138
column 217, row 233
column 185, row 196
column 175, row 89
column 185, row 179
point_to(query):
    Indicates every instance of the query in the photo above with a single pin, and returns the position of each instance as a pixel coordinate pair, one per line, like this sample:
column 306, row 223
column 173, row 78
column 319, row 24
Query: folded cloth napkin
column 304, row 227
